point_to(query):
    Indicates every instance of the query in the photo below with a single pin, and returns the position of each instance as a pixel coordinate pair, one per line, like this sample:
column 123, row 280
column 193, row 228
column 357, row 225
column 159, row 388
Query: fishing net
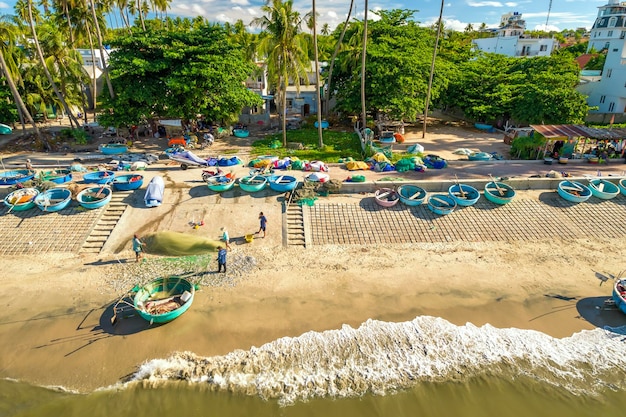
column 176, row 244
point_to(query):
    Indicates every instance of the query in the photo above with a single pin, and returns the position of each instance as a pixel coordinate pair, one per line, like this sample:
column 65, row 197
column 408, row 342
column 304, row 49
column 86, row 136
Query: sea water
column 424, row 367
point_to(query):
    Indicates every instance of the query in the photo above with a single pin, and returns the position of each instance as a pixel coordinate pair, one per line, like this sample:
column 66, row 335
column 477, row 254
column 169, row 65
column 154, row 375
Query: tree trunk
column 69, row 23
column 283, row 85
column 363, row 54
column 143, row 24
column 432, row 71
column 317, row 83
column 21, row 107
column 99, row 36
column 94, row 87
column 332, row 60
column 73, row 121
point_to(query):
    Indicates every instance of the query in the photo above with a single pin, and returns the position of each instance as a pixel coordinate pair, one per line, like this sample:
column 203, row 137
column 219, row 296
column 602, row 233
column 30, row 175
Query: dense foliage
column 177, row 74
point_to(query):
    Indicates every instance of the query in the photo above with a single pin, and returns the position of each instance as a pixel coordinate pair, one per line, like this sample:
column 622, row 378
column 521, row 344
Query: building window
column 611, row 107
column 612, row 22
column 543, row 48
column 606, row 45
column 615, row 49
column 609, row 72
column 290, row 103
column 622, row 35
column 610, row 33
column 602, row 98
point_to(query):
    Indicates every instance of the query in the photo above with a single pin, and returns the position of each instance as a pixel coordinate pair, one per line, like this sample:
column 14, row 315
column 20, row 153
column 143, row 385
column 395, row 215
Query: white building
column 608, row 92
column 510, row 39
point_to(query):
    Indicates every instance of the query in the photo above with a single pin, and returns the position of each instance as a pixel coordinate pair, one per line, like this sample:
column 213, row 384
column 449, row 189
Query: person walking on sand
column 221, row 259
column 226, row 237
column 138, row 247
column 263, row 223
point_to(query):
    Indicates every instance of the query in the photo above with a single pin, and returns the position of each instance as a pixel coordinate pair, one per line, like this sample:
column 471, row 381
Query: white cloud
column 4, row 5
column 240, row 2
column 510, row 4
column 548, row 28
column 484, row 4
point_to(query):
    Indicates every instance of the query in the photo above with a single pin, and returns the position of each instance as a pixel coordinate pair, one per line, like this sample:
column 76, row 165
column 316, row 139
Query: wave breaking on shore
column 381, row 357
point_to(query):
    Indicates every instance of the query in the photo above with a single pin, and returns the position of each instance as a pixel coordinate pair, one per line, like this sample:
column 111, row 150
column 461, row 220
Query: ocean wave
column 381, row 357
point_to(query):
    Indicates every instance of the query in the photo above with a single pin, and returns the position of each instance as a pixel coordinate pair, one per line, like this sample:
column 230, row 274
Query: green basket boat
column 164, row 299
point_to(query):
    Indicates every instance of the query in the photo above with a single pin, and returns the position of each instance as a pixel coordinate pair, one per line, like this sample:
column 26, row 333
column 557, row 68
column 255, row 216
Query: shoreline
column 62, row 338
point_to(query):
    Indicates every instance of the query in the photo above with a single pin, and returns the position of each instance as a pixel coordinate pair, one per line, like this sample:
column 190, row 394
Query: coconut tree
column 363, row 55
column 284, row 49
column 96, row 24
column 317, row 79
column 8, row 68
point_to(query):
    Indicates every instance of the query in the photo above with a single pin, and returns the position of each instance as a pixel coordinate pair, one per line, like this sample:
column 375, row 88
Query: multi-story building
column 510, row 39
column 607, row 92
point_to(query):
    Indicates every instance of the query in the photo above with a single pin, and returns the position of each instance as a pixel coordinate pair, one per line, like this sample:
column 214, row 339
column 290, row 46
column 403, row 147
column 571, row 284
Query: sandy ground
column 55, row 326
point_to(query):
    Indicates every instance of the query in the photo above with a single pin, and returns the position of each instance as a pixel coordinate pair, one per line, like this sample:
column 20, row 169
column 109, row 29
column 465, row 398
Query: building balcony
column 255, row 85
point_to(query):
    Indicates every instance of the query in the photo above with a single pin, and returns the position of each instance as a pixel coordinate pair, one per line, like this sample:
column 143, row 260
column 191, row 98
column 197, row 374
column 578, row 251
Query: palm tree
column 332, row 59
column 42, row 60
column 284, row 48
column 320, row 142
column 105, row 70
column 326, row 28
column 7, row 34
column 363, row 55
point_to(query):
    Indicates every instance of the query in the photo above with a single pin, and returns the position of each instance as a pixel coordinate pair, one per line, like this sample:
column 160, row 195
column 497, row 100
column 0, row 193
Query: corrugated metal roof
column 576, row 131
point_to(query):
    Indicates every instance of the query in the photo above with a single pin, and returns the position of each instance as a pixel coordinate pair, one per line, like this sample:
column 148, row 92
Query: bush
column 79, row 135
column 527, row 147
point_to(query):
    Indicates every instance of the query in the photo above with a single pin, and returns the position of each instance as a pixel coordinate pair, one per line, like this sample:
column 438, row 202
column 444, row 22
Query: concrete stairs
column 294, row 219
column 111, row 214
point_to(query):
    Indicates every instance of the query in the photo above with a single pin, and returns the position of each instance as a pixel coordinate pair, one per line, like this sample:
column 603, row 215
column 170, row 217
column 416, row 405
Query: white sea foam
column 380, row 357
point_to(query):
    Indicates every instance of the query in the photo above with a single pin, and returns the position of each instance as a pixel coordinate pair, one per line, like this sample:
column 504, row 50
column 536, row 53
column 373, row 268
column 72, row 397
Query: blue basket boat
column 574, row 191
column 127, row 182
column 603, row 189
column 54, row 199
column 57, row 176
column 411, row 195
column 253, row 183
column 94, row 197
column 241, row 133
column 5, row 130
column 99, row 177
column 499, row 192
column 441, row 204
column 164, row 299
column 14, row 176
column 622, row 186
column 113, row 148
column 464, row 195
column 22, row 199
column 619, row 294
column 220, row 183
column 324, row 124
column 282, row 183
column 484, row 126
column 480, row 156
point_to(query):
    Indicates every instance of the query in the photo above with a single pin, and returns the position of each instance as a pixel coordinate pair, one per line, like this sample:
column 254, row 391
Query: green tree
column 284, row 49
column 177, row 74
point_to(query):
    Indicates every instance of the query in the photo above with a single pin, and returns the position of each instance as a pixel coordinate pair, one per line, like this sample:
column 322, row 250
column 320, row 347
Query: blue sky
column 565, row 14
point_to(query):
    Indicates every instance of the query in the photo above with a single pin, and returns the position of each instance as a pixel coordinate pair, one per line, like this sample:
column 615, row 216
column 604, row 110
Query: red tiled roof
column 584, row 59
column 577, row 131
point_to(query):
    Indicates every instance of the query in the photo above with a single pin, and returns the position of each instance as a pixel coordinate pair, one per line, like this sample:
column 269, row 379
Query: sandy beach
column 55, row 324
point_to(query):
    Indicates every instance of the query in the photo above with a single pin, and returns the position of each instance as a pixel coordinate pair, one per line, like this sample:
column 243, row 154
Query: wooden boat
column 94, row 197
column 54, row 199
column 282, row 183
column 499, row 192
column 386, row 197
column 57, row 176
column 619, row 294
column 14, row 176
column 622, row 186
column 154, row 192
column 411, row 195
column 603, row 189
column 464, row 195
column 220, row 183
column 252, row 183
column 99, row 177
column 241, row 133
column 164, row 299
column 574, row 191
column 441, row 204
column 22, row 199
column 480, row 156
column 5, row 130
column 127, row 182
column 113, row 148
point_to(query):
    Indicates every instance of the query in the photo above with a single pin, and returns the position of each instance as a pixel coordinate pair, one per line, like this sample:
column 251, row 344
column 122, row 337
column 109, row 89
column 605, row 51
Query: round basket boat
column 241, row 133
column 386, row 197
column 464, row 195
column 14, row 176
column 282, row 183
column 164, row 299
column 54, row 199
column 20, row 200
column 603, row 189
column 622, row 186
column 253, row 183
column 411, row 195
column 99, row 177
column 499, row 192
column 127, row 182
column 94, row 197
column 573, row 191
column 441, row 204
column 220, row 183
column 57, row 176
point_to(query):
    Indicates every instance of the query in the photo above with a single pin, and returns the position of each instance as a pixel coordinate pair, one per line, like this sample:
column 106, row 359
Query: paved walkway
column 532, row 216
